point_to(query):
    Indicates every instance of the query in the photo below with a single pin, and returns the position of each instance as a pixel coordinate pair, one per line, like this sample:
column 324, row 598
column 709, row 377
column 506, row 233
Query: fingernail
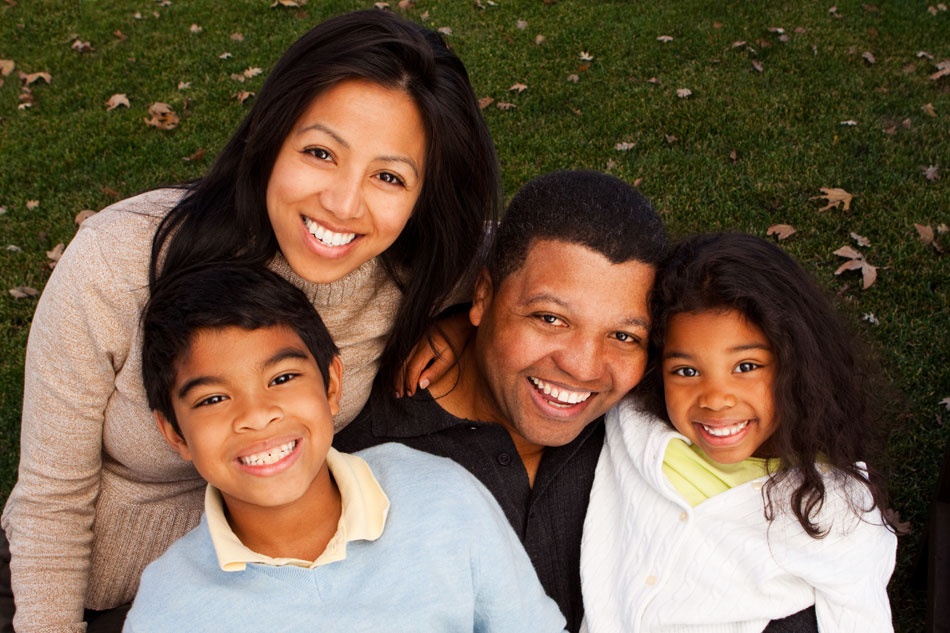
column 424, row 383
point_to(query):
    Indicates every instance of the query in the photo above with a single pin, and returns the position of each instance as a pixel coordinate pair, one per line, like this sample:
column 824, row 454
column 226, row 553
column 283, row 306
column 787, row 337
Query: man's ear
column 174, row 439
column 482, row 297
column 335, row 384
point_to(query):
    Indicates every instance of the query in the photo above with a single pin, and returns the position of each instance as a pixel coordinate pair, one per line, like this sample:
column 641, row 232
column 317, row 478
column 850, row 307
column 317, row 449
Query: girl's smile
column 718, row 374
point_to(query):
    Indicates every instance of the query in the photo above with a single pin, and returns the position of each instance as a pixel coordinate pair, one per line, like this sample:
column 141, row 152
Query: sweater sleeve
column 508, row 594
column 80, row 335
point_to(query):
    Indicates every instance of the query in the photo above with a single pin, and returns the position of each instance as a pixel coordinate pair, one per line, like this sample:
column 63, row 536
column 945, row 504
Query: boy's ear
column 174, row 439
column 482, row 297
column 335, row 384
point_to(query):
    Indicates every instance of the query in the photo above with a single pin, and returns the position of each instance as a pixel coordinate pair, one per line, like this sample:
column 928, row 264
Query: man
column 562, row 319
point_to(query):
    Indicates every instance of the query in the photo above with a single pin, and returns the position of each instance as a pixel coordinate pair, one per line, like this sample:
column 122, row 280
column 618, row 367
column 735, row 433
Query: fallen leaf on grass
column 501, row 105
column 184, row 85
column 925, row 233
column 901, row 528
column 625, row 146
column 833, row 12
column 237, row 37
column 23, row 292
column 942, row 228
column 683, row 93
column 538, row 39
column 664, row 38
column 849, row 123
column 738, row 44
column 194, row 28
column 586, row 57
column 943, row 69
column 856, row 262
column 163, row 117
column 928, row 109
column 445, row 30
column 868, row 57
column 484, row 102
column 405, row 5
column 573, row 78
column 583, row 66
column 870, row 318
column 284, row 3
column 521, row 25
column 238, row 77
column 757, row 65
column 83, row 215
column 116, row 100
column 781, row 231
column 81, row 47
column 119, row 34
column 198, row 155
column 519, row 87
column 31, row 78
column 931, row 172
column 945, row 402
column 835, row 197
column 224, row 55
column 381, row 5
column 242, row 96
column 254, row 71
column 6, row 67
column 32, row 204
column 55, row 254
column 733, row 156
column 13, row 248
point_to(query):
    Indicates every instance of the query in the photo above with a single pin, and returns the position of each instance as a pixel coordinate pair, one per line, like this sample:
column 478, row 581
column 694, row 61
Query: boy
column 244, row 380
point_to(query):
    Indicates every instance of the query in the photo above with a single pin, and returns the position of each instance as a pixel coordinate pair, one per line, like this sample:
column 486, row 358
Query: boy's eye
column 747, row 366
column 211, row 400
column 687, row 372
column 283, row 378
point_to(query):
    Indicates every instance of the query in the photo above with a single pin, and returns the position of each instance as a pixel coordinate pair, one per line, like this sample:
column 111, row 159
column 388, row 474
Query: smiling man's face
column 560, row 341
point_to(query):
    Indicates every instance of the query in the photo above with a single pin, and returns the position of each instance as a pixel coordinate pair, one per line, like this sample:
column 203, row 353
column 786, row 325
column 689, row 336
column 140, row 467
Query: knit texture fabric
column 100, row 494
column 651, row 562
column 447, row 561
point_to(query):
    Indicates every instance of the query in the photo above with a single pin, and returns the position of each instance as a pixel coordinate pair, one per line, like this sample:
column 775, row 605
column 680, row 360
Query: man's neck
column 463, row 392
column 300, row 529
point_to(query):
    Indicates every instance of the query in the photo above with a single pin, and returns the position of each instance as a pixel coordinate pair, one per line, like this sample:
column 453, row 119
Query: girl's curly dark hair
column 821, row 393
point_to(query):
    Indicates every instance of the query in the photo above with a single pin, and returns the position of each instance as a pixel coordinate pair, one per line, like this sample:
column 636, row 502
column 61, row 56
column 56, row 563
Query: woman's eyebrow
column 339, row 139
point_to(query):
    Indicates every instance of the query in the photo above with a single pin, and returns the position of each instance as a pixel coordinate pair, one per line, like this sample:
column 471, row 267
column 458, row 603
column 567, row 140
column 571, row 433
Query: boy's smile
column 255, row 416
column 718, row 372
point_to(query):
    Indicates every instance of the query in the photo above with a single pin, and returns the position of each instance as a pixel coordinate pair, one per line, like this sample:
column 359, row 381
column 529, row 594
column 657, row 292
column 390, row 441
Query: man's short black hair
column 216, row 296
column 589, row 208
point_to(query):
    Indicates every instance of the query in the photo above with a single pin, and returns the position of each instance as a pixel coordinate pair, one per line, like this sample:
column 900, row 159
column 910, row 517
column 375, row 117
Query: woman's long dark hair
column 223, row 217
column 821, row 394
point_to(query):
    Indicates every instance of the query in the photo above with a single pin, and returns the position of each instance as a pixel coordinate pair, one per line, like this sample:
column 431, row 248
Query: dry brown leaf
column 83, row 215
column 653, row 80
column 901, row 528
column 13, row 248
column 847, row 251
column 925, row 233
column 801, row 30
column 6, row 67
column 23, row 292
column 32, row 204
column 238, row 77
column 624, row 146
column 184, row 85
column 237, row 37
column 501, row 105
column 931, row 172
column 781, row 231
column 851, row 264
column 718, row 25
column 856, row 261
column 81, row 47
column 833, row 12
column 539, row 39
column 284, row 3
column 116, row 100
column 445, row 30
column 836, row 198
column 119, row 34
column 521, row 25
column 163, row 117
column 254, row 71
column 942, row 228
column 664, row 38
column 868, row 275
column 31, row 78
column 242, row 96
column 586, row 57
column 849, row 123
column 738, row 44
column 224, row 55
column 518, row 87
column 860, row 240
column 683, row 93
column 733, row 156
column 405, row 5
column 573, row 78
column 943, row 69
column 583, row 66
column 928, row 109
column 55, row 254
column 784, row 38
column 484, row 102
column 757, row 65
column 198, row 155
column 776, row 29
column 868, row 57
column 670, row 138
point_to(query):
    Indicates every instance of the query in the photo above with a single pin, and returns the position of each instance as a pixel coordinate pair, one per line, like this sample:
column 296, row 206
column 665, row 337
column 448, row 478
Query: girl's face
column 346, row 179
column 718, row 375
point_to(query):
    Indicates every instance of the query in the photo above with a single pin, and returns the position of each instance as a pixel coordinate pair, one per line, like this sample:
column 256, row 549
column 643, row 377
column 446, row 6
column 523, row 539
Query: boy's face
column 254, row 413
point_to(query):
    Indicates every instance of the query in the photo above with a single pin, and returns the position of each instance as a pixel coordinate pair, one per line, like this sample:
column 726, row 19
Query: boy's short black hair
column 589, row 208
column 218, row 296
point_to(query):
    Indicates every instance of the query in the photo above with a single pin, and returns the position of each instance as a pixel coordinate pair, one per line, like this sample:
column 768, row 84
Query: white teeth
column 562, row 395
column 327, row 236
column 725, row 431
column 272, row 456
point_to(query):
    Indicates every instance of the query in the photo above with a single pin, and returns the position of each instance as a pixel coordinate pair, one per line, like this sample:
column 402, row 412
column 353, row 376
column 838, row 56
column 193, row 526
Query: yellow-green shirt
column 698, row 478
column 365, row 507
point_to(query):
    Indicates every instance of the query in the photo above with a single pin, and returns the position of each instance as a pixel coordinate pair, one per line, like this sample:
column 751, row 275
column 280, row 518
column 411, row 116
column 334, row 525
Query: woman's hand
column 432, row 356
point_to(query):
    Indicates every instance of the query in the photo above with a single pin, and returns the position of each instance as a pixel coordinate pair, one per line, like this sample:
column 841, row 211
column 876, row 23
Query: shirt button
column 651, row 579
column 504, row 459
column 683, row 516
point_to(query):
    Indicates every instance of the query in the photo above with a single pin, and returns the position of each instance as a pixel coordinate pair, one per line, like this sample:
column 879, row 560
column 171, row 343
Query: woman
column 361, row 174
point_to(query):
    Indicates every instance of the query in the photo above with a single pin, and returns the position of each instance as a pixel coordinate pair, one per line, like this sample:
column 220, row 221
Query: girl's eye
column 747, row 366
column 686, row 372
column 211, row 400
column 391, row 178
column 319, row 152
column 283, row 378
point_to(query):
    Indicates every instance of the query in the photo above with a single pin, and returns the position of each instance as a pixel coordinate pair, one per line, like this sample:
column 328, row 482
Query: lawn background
column 748, row 148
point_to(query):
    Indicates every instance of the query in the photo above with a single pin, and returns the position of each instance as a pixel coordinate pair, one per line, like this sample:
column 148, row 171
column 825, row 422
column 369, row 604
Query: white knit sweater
column 652, row 563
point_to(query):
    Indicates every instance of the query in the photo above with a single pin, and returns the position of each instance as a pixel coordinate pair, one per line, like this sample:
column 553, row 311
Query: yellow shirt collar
column 365, row 507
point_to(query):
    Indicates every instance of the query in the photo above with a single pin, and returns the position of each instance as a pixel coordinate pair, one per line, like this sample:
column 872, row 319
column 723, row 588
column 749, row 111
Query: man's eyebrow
column 339, row 139
column 544, row 297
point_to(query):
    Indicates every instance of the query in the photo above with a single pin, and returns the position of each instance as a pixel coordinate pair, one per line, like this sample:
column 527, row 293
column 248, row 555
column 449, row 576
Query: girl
column 361, row 175
column 749, row 500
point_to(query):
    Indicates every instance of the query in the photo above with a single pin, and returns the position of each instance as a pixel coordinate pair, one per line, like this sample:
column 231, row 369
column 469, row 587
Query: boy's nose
column 258, row 415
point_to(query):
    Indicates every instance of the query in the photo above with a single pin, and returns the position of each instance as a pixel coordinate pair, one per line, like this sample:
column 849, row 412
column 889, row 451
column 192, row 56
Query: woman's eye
column 319, row 152
column 742, row 368
column 283, row 378
column 391, row 178
column 211, row 400
column 687, row 372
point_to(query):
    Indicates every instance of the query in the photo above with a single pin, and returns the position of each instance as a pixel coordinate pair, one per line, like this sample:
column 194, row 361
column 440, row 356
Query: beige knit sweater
column 99, row 493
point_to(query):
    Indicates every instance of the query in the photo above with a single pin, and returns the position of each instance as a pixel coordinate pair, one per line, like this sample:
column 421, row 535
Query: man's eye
column 626, row 337
column 742, row 368
column 550, row 319
column 211, row 400
column 687, row 372
column 283, row 378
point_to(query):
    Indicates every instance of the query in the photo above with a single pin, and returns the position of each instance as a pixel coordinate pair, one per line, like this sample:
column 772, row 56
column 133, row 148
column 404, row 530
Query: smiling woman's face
column 346, row 179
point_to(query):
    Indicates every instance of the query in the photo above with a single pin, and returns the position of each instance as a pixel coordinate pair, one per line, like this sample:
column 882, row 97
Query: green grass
column 783, row 124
